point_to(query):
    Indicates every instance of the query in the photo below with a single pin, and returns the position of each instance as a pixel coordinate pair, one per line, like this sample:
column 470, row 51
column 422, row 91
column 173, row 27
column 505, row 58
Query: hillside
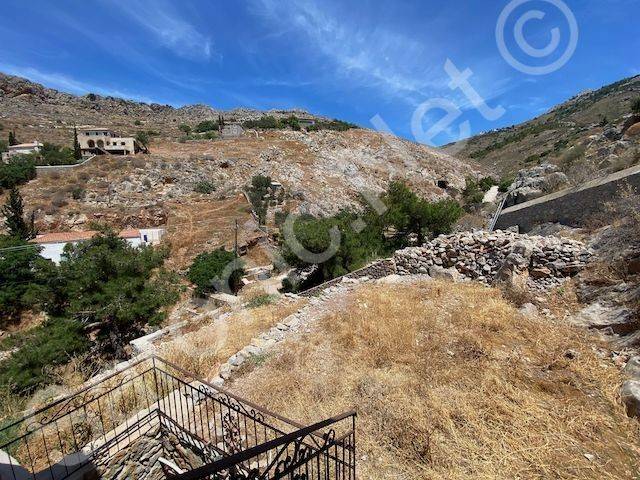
column 35, row 111
column 321, row 171
column 586, row 136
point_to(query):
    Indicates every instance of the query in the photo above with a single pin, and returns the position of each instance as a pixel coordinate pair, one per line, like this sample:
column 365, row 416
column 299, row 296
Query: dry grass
column 450, row 381
column 202, row 351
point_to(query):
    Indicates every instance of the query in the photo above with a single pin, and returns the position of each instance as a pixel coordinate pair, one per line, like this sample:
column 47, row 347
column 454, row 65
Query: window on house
column 122, row 143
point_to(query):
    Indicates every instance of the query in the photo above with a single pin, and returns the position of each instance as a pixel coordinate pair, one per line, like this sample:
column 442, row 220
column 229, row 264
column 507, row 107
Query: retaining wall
column 377, row 269
column 573, row 206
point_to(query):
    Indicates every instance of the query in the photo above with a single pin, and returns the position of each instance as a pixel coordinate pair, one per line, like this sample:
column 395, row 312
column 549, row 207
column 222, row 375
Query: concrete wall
column 573, row 206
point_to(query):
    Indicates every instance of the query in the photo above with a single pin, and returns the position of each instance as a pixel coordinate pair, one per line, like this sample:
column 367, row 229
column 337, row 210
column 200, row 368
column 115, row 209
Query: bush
column 407, row 219
column 17, row 171
column 635, row 106
column 107, row 280
column 24, row 279
column 205, row 187
column 43, row 347
column 183, row 127
column 336, row 125
column 261, row 300
column 206, row 126
column 216, row 271
column 505, row 184
column 78, row 192
column 266, row 122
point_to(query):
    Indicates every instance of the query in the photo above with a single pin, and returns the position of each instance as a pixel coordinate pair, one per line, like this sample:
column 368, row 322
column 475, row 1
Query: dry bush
column 450, row 381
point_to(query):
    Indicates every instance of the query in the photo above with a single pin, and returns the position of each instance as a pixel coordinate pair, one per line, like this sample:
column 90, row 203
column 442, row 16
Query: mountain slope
column 321, row 171
column 585, row 136
column 36, row 111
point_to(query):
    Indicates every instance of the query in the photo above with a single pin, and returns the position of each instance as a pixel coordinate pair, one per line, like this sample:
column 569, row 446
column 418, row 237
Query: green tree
column 47, row 345
column 17, row 171
column 13, row 211
column 185, row 128
column 12, row 138
column 108, row 281
column 218, row 270
column 24, row 278
column 77, row 152
column 635, row 106
column 206, row 126
column 143, row 138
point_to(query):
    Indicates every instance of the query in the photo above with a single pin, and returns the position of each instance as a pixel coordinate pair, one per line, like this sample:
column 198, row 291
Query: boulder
column 632, row 368
column 633, row 130
column 630, row 396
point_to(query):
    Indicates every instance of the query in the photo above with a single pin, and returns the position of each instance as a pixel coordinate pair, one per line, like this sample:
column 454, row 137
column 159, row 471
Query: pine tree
column 13, row 211
column 77, row 152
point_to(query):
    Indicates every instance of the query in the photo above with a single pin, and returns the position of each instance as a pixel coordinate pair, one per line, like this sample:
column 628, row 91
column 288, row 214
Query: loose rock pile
column 489, row 256
column 535, row 182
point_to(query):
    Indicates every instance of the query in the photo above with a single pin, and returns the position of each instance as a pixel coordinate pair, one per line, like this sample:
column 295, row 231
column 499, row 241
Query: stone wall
column 139, row 459
column 377, row 269
column 574, row 206
column 485, row 256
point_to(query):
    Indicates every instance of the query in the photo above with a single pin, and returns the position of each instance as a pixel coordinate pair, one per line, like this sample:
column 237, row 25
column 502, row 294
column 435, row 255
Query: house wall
column 54, row 251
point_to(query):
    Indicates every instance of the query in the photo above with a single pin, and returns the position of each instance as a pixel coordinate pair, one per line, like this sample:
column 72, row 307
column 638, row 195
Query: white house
column 22, row 149
column 99, row 140
column 53, row 243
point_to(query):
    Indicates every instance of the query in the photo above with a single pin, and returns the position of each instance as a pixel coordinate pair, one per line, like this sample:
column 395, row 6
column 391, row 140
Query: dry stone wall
column 487, row 256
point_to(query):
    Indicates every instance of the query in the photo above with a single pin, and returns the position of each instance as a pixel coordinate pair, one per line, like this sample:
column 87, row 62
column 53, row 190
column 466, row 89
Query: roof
column 66, row 237
column 83, row 128
column 26, row 145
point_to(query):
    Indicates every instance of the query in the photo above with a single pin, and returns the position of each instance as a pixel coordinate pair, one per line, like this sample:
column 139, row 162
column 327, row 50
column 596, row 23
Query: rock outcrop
column 535, row 182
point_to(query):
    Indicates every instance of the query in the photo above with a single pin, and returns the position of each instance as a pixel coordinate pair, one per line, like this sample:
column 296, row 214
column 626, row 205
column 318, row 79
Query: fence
column 154, row 420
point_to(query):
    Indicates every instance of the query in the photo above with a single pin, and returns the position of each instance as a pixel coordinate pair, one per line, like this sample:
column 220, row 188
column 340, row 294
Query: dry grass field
column 451, row 382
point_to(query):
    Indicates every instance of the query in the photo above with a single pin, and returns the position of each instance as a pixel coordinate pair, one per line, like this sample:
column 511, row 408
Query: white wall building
column 98, row 140
column 22, row 149
column 53, row 243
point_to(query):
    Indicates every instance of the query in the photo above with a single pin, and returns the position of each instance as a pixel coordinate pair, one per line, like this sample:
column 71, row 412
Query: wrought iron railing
column 162, row 422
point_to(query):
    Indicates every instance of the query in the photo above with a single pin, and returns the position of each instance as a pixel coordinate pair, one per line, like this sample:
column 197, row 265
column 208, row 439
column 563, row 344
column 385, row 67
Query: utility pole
column 235, row 243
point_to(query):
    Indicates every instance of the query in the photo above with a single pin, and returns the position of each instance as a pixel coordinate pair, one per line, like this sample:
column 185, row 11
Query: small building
column 53, row 243
column 306, row 122
column 231, row 130
column 22, row 149
column 100, row 141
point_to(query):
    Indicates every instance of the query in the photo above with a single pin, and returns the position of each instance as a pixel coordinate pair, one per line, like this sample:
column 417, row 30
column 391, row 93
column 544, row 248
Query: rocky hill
column 321, row 171
column 36, row 111
column 586, row 136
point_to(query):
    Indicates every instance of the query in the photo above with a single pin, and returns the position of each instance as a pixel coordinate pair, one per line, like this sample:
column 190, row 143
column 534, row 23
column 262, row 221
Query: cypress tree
column 12, row 138
column 77, row 152
column 13, row 210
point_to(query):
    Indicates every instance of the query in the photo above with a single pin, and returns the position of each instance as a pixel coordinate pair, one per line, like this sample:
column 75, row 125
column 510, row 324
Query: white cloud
column 374, row 57
column 166, row 24
column 65, row 83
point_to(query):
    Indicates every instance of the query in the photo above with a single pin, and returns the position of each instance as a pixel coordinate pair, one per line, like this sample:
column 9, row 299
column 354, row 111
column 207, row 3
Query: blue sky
column 353, row 60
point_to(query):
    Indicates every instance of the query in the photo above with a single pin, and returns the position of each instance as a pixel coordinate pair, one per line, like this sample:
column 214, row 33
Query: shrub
column 109, row 281
column 266, row 122
column 216, row 271
column 24, row 277
column 78, row 192
column 206, row 126
column 137, row 123
column 505, row 184
column 635, row 106
column 17, row 171
column 261, row 300
column 205, row 187
column 48, row 345
column 183, row 127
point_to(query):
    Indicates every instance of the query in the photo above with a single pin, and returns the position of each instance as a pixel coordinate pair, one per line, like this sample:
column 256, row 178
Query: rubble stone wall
column 483, row 256
column 378, row 269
